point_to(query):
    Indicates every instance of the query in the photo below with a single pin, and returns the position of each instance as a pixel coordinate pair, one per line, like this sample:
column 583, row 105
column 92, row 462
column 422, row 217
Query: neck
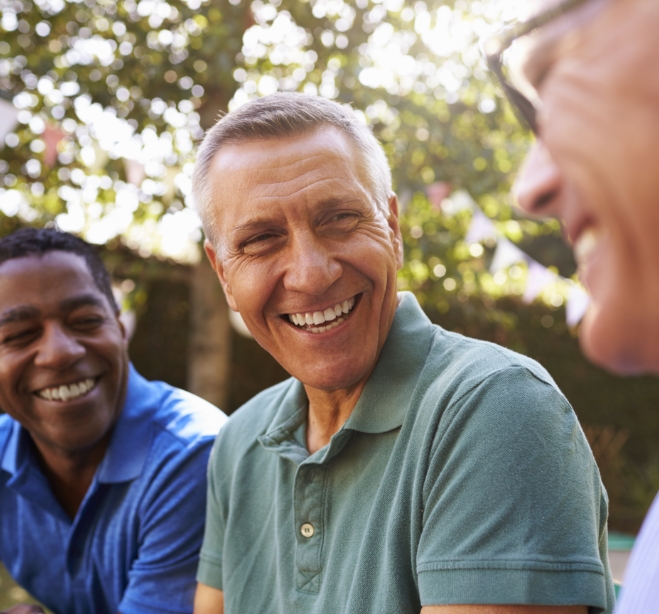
column 70, row 474
column 328, row 412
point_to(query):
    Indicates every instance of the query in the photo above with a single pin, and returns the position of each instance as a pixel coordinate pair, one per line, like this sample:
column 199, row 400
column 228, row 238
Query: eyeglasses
column 494, row 46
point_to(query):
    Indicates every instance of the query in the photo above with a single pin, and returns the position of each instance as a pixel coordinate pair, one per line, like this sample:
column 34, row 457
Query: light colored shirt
column 461, row 477
column 134, row 543
column 640, row 589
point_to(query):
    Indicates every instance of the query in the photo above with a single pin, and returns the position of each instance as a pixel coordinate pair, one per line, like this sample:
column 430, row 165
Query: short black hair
column 39, row 241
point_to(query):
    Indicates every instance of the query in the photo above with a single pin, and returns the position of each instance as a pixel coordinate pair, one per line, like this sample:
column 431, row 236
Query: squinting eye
column 259, row 239
column 89, row 322
column 19, row 337
column 343, row 217
column 260, row 243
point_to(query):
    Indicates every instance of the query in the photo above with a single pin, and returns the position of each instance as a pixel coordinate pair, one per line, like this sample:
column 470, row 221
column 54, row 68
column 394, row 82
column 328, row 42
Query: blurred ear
column 122, row 328
column 219, row 271
column 394, row 226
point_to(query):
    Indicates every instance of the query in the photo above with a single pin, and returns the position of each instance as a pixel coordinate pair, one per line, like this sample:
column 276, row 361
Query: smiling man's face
column 63, row 353
column 305, row 255
column 594, row 166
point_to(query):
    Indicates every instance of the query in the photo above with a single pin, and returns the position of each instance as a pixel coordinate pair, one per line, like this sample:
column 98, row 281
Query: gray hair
column 283, row 115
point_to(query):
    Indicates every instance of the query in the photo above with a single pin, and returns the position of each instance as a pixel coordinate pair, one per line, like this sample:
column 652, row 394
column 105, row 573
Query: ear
column 394, row 226
column 122, row 328
column 219, row 271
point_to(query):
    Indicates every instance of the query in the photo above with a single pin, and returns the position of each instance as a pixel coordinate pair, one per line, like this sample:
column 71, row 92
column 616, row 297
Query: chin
column 617, row 346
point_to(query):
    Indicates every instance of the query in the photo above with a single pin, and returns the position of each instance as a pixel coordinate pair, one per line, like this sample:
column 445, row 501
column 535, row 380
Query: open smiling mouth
column 69, row 392
column 321, row 321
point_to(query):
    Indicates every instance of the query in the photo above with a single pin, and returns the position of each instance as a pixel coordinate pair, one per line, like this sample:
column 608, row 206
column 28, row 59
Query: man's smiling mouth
column 69, row 392
column 321, row 321
column 586, row 244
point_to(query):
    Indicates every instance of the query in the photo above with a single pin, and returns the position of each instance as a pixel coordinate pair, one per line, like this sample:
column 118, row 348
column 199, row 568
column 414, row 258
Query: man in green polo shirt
column 403, row 468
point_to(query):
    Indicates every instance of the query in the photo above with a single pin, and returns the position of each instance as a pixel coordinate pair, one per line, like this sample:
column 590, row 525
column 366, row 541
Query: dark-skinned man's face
column 63, row 352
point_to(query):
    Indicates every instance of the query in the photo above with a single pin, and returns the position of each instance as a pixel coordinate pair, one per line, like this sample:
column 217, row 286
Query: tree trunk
column 210, row 337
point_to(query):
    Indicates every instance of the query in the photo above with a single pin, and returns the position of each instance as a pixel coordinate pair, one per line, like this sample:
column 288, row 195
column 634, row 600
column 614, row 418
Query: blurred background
column 102, row 104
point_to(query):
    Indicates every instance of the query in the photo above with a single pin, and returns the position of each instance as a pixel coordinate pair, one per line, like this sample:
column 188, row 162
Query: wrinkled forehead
column 279, row 168
column 280, row 154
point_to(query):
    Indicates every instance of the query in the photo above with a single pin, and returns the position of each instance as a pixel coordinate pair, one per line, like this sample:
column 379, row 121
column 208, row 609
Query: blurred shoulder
column 185, row 416
column 467, row 363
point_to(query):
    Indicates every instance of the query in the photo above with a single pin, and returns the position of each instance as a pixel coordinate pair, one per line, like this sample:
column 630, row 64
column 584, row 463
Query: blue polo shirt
column 133, row 545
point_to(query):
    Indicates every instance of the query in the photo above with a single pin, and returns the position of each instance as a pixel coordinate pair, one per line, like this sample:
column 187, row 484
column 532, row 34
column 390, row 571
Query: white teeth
column 586, row 244
column 331, row 317
column 65, row 393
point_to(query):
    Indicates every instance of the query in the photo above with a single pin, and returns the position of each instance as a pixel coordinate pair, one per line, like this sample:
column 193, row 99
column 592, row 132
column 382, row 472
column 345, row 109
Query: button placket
column 309, row 495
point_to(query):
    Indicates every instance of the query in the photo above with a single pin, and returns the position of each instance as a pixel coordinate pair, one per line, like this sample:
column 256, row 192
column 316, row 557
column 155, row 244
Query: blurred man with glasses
column 584, row 76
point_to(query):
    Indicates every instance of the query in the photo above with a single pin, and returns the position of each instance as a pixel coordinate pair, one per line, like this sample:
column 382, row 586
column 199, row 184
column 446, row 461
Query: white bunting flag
column 458, row 201
column 506, row 255
column 577, row 305
column 8, row 119
column 538, row 278
column 134, row 172
column 481, row 228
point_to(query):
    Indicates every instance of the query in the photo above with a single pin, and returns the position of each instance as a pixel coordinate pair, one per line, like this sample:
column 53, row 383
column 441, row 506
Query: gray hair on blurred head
column 283, row 115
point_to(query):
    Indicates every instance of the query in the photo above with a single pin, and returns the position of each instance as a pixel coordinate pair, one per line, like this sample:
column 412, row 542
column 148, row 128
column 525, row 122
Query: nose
column 58, row 349
column 311, row 267
column 538, row 185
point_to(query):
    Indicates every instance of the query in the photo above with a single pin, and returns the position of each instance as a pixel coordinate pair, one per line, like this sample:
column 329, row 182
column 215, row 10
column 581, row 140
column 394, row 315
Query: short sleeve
column 210, row 558
column 513, row 502
column 162, row 577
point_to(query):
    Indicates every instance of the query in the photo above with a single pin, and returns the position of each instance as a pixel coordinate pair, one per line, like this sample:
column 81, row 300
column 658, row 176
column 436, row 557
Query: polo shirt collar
column 385, row 399
column 15, row 449
column 126, row 454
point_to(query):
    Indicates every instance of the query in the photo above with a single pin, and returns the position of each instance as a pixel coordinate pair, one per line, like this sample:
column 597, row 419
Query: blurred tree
column 112, row 97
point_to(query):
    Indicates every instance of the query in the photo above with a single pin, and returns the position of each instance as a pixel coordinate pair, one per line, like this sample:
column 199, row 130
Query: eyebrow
column 538, row 57
column 263, row 222
column 83, row 300
column 19, row 314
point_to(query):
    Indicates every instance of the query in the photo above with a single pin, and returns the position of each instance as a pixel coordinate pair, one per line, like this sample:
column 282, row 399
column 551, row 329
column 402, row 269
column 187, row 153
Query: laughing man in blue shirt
column 102, row 473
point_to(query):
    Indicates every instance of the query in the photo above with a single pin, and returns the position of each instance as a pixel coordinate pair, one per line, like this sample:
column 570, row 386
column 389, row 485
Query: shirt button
column 307, row 529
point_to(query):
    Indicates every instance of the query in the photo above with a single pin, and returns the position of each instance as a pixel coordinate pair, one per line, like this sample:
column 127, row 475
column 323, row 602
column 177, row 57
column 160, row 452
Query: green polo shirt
column 461, row 477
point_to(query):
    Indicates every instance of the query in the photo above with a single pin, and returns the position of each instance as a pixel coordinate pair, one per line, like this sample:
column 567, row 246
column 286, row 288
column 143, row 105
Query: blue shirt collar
column 127, row 452
column 14, row 450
